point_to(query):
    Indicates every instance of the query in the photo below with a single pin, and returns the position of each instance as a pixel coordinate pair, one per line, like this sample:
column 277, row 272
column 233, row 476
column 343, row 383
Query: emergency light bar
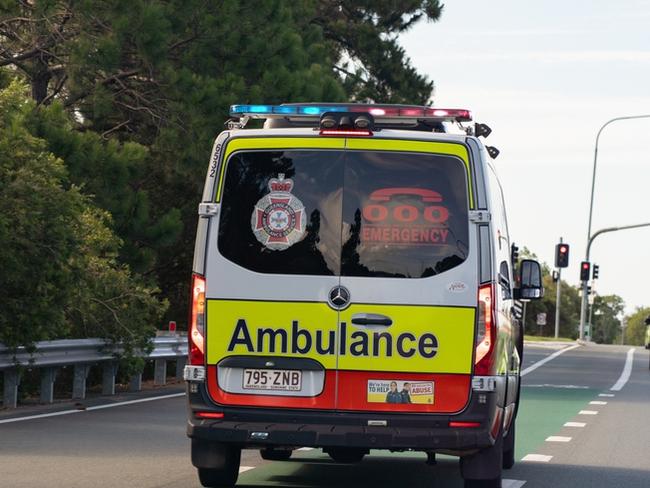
column 376, row 110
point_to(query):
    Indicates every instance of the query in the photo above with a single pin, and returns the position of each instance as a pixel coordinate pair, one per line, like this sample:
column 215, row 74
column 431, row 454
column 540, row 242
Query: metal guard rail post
column 82, row 354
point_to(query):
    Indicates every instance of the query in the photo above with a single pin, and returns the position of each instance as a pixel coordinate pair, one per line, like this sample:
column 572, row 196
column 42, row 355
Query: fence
column 50, row 356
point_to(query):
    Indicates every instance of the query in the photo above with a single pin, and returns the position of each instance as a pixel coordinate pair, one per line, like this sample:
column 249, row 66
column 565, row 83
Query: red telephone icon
column 385, row 194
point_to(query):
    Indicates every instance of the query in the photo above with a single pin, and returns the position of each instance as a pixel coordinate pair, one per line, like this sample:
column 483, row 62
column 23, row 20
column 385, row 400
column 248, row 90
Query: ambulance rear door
column 409, row 274
column 272, row 257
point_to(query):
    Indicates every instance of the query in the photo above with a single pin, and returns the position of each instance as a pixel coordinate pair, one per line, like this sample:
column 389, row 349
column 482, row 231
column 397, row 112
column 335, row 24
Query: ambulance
column 353, row 289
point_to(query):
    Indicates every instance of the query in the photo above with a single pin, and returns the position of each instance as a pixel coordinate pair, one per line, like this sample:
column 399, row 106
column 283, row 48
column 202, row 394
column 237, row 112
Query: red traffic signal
column 561, row 255
column 584, row 271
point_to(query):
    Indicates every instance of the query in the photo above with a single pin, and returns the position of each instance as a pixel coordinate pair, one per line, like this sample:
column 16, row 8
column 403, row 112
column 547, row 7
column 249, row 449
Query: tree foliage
column 635, row 330
column 58, row 252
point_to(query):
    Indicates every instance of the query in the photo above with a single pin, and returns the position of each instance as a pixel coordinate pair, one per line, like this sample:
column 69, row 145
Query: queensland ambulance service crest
column 278, row 220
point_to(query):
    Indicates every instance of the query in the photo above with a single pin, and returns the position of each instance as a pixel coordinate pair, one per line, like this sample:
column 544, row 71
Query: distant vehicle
column 353, row 289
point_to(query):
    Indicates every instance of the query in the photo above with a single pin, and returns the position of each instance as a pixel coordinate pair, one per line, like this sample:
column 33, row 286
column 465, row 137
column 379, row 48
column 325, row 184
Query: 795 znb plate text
column 272, row 379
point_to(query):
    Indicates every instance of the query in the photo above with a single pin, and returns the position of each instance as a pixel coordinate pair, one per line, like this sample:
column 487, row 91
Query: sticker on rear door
column 278, row 219
column 398, row 391
column 405, row 216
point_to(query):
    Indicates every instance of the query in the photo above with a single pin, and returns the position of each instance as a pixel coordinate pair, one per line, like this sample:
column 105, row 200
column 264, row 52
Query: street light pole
column 583, row 305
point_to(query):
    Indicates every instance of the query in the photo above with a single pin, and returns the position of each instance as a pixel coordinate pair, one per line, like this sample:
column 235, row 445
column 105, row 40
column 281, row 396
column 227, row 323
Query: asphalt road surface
column 573, row 431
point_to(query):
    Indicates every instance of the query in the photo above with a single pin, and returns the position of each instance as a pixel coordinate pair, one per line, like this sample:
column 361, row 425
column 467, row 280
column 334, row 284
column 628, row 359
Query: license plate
column 272, row 379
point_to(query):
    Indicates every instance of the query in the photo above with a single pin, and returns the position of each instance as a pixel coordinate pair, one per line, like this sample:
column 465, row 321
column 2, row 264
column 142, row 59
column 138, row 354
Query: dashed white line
column 575, row 424
column 542, row 362
column 606, row 395
column 596, row 402
column 558, row 438
column 568, row 387
column 243, row 469
column 588, row 412
column 88, row 409
column 537, row 458
column 627, row 370
column 512, row 483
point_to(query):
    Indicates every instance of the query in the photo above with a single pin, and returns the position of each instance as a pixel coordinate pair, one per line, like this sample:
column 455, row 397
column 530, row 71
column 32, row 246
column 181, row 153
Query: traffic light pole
column 557, row 300
column 583, row 303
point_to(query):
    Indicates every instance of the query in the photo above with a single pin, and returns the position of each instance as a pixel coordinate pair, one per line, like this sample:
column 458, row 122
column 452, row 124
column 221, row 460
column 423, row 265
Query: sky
column 545, row 76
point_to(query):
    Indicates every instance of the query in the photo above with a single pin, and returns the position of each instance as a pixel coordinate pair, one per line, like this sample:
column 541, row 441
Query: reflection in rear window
column 349, row 213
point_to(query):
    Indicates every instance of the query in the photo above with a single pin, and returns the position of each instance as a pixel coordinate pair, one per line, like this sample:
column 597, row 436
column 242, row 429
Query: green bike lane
column 551, row 395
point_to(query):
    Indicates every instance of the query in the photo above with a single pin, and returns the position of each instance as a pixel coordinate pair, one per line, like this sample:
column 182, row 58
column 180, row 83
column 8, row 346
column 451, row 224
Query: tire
column 483, row 469
column 271, row 454
column 347, row 455
column 218, row 478
column 509, row 448
column 495, row 483
column 217, row 464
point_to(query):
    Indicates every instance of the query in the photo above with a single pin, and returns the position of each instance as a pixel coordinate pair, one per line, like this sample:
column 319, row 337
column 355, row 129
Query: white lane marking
column 243, row 469
column 627, row 370
column 558, row 438
column 542, row 362
column 30, row 417
column 305, row 449
column 596, row 402
column 512, row 483
column 606, row 395
column 537, row 458
column 87, row 409
column 588, row 412
column 568, row 387
column 574, row 424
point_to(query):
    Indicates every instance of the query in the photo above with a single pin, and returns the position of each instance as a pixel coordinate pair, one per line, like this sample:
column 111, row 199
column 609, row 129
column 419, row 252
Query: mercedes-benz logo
column 339, row 298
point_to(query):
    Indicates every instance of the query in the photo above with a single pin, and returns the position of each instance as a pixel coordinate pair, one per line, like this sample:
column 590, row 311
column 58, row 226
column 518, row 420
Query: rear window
column 347, row 213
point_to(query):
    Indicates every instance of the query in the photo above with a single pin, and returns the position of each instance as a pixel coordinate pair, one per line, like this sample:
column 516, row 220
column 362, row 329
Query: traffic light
column 514, row 254
column 584, row 271
column 561, row 255
column 594, row 272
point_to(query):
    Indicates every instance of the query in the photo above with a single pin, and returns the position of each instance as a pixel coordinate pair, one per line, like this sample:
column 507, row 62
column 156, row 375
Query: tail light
column 486, row 333
column 197, row 322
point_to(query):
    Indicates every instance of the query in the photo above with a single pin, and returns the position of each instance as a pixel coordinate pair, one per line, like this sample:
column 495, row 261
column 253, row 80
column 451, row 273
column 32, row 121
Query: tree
column 605, row 323
column 57, row 250
column 635, row 329
column 364, row 37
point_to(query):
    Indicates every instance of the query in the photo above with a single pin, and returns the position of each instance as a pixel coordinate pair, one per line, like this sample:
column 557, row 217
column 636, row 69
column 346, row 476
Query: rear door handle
column 371, row 319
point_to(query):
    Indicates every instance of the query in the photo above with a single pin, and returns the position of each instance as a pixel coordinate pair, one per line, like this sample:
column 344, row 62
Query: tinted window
column 404, row 215
column 317, row 179
column 354, row 213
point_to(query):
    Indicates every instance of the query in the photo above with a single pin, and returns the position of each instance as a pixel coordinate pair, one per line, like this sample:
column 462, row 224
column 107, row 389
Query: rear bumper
column 247, row 427
column 246, row 435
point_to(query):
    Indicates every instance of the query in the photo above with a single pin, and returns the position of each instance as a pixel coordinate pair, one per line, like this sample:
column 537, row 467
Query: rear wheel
column 495, row 483
column 218, row 478
column 271, row 454
column 217, row 464
column 509, row 447
column 483, row 469
column 347, row 454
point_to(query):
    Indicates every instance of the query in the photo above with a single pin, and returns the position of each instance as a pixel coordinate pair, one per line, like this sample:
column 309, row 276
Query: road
column 143, row 444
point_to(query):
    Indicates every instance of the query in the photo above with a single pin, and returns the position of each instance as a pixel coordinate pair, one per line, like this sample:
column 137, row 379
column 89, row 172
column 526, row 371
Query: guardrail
column 50, row 356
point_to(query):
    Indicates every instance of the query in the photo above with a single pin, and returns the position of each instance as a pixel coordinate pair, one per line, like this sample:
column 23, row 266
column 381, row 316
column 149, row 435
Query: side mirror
column 530, row 281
